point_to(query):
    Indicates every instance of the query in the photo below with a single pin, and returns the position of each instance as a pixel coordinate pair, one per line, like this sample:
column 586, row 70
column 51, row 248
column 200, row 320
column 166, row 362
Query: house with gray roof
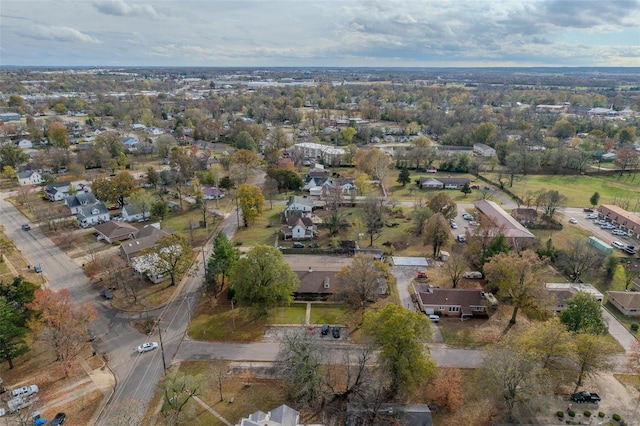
column 142, row 240
column 281, row 416
column 78, row 200
column 135, row 213
column 112, row 231
column 627, row 302
column 92, row 214
column 505, row 224
column 299, row 206
column 57, row 191
column 31, row 177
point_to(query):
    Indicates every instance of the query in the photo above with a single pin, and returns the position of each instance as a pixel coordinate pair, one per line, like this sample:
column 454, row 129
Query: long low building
column 621, row 218
column 513, row 230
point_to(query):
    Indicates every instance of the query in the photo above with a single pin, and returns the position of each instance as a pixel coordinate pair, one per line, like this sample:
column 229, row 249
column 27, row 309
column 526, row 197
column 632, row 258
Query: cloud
column 63, row 34
column 121, row 8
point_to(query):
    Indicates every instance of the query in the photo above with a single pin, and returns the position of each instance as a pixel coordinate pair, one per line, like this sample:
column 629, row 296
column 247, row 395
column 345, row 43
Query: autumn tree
column 57, row 134
column 251, row 202
column 579, row 257
column 592, row 355
column 550, row 341
column 373, row 216
column 359, row 283
column 442, row 203
column 436, row 233
column 263, row 279
column 517, row 278
column 583, row 314
column 455, row 268
column 373, row 162
column 115, row 189
column 61, row 324
column 551, row 201
column 445, row 389
column 400, row 334
column 222, row 259
column 627, row 159
column 419, row 217
column 171, row 255
column 11, row 155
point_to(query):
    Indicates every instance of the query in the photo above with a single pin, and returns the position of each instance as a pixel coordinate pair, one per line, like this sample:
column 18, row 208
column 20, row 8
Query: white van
column 474, row 275
column 25, row 391
column 434, row 318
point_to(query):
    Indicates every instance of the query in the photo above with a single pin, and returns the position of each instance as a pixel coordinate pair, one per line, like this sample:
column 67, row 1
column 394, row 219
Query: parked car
column 298, row 245
column 58, row 419
column 335, row 332
column 573, row 220
column 325, row 329
column 146, row 347
column 116, row 207
column 591, row 216
column 91, row 335
column 25, row 391
column 618, row 232
column 26, row 227
column 106, row 293
column 434, row 318
column 454, row 225
column 461, row 239
column 607, row 226
column 629, row 251
column 599, row 222
column 467, row 216
column 38, row 269
column 584, row 396
column 618, row 245
column 587, row 210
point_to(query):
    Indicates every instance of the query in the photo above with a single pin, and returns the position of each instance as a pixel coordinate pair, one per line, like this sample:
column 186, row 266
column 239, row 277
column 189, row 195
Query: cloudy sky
column 320, row 33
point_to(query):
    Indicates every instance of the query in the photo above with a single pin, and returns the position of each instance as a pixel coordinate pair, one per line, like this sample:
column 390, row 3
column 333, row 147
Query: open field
column 263, row 231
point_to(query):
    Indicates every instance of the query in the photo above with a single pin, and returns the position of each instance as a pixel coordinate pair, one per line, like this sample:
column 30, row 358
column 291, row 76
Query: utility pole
column 164, row 363
column 233, row 316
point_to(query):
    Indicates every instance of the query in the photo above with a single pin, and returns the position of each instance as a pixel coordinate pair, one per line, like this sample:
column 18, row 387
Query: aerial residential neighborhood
column 223, row 233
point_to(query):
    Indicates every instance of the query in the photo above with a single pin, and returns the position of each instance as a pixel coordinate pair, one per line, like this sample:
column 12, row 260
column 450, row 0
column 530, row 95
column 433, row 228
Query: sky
column 320, row 33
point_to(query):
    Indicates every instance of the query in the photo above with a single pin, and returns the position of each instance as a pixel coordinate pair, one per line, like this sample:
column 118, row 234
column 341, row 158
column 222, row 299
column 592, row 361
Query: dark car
column 91, row 335
column 584, row 396
column 629, row 251
column 335, row 332
column 58, row 419
column 587, row 210
column 298, row 245
column 325, row 329
column 38, row 269
column 106, row 293
column 26, row 227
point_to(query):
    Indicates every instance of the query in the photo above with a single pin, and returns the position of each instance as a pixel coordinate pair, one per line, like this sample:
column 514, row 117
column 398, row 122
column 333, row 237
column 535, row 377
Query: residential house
column 155, row 131
column 315, row 285
column 142, row 240
column 345, row 186
column 432, row 169
column 152, row 266
column 131, row 142
column 212, row 193
column 299, row 206
column 452, row 151
column 505, row 224
column 111, row 231
column 298, row 228
column 483, row 150
column 390, row 414
column 30, row 177
column 135, row 213
column 455, row 302
column 627, row 302
column 561, row 292
column 78, row 200
column 57, row 191
column 623, row 219
column 443, row 183
column 281, row 416
column 9, row 116
column 92, row 214
column 25, row 144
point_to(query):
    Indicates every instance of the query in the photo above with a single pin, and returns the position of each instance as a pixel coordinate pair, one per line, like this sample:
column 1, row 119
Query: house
column 391, row 414
column 298, row 228
column 135, row 213
column 9, row 116
column 625, row 220
column 112, row 231
column 483, row 150
column 452, row 151
column 627, row 302
column 155, row 131
column 432, row 169
column 143, row 239
column 212, row 193
column 30, row 177
column 131, row 142
column 456, row 302
column 442, row 183
column 345, row 186
column 78, row 200
column 57, row 191
column 561, row 292
column 299, row 206
column 92, row 214
column 505, row 224
column 25, row 144
column 314, row 183
column 281, row 416
column 315, row 285
column 152, row 266
column 376, row 253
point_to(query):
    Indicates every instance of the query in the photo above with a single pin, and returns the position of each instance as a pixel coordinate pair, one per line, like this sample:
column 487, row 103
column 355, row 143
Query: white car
column 467, row 216
column 573, row 220
column 618, row 245
column 454, row 225
column 146, row 347
column 591, row 216
column 618, row 232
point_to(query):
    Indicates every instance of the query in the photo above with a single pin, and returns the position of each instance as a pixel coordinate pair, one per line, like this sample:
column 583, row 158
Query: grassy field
column 294, row 314
column 262, row 231
column 577, row 189
column 328, row 313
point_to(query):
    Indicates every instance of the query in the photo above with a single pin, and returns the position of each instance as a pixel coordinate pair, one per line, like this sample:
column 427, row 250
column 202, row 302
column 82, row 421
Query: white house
column 25, row 144
column 134, row 213
column 77, row 201
column 31, row 177
column 299, row 206
column 298, row 228
column 155, row 131
column 212, row 193
column 93, row 214
column 483, row 150
column 57, row 191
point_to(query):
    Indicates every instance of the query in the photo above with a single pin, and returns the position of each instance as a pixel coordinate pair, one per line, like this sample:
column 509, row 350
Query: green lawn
column 624, row 320
column 328, row 313
column 577, row 189
column 294, row 314
column 262, row 231
column 180, row 223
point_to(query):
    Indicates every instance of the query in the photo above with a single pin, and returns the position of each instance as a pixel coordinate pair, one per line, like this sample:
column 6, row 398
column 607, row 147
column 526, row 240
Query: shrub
column 587, row 413
column 616, row 417
column 571, row 413
column 600, row 414
column 117, row 243
column 635, row 327
column 560, row 414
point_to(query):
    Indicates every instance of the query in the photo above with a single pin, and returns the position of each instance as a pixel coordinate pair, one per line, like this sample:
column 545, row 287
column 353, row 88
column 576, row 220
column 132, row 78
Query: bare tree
column 301, row 359
column 217, row 373
column 455, row 268
column 177, row 390
column 359, row 282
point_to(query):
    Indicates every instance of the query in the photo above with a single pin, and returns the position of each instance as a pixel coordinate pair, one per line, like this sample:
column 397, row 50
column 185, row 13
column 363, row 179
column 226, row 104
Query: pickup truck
column 585, row 396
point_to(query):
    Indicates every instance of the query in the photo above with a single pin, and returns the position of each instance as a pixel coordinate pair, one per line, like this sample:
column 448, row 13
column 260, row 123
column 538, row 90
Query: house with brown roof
column 561, row 292
column 442, row 183
column 316, row 285
column 627, row 302
column 623, row 219
column 142, row 240
column 514, row 231
column 298, row 228
column 111, row 231
column 454, row 302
